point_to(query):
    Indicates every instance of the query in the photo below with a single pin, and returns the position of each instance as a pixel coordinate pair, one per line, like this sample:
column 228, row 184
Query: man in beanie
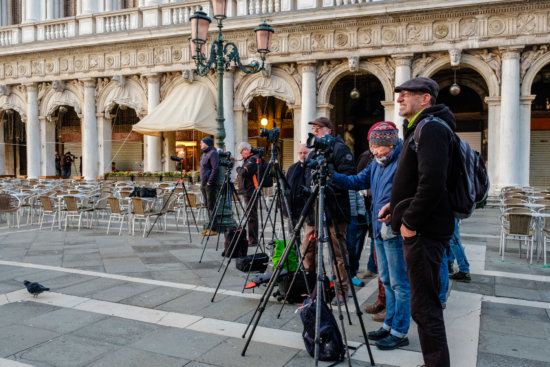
column 385, row 145
column 210, row 164
column 420, row 209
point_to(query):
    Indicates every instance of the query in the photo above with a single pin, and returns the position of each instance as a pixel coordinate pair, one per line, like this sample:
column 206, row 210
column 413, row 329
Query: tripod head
column 226, row 160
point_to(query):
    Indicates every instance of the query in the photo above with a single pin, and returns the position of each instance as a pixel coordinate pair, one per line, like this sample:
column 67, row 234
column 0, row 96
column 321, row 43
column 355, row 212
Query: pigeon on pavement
column 35, row 288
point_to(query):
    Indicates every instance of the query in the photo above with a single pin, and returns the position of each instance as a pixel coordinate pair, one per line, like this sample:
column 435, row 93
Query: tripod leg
column 211, row 224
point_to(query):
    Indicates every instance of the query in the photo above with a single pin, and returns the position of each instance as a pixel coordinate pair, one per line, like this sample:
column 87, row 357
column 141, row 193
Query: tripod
column 227, row 190
column 322, row 234
column 187, row 205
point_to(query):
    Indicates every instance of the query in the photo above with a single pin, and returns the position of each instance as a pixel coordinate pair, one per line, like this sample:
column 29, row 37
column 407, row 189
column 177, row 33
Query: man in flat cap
column 420, row 207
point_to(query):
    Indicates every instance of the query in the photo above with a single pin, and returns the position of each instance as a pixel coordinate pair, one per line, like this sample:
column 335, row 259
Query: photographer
column 337, row 206
column 247, row 183
column 68, row 160
column 296, row 179
column 209, row 177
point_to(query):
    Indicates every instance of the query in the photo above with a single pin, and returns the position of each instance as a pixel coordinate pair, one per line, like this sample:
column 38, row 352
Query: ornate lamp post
column 223, row 53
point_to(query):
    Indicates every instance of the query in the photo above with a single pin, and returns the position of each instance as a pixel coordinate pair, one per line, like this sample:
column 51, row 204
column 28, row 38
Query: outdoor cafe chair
column 141, row 213
column 518, row 224
column 10, row 205
column 73, row 211
column 47, row 209
column 544, row 230
column 116, row 213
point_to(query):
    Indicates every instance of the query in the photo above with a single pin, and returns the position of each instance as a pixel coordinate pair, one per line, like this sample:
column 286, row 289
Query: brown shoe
column 380, row 316
column 365, row 274
column 210, row 233
column 374, row 308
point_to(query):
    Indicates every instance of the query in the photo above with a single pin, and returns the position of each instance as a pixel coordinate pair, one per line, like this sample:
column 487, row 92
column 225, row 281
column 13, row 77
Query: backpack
column 468, row 185
column 256, row 262
column 291, row 263
column 229, row 243
column 331, row 347
column 262, row 168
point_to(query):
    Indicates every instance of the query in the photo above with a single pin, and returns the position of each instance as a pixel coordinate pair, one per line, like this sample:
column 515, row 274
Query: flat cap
column 322, row 122
column 420, row 84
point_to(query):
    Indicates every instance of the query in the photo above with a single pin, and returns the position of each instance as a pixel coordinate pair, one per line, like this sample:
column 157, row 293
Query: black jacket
column 421, row 178
column 246, row 175
column 296, row 178
column 337, row 200
column 210, row 167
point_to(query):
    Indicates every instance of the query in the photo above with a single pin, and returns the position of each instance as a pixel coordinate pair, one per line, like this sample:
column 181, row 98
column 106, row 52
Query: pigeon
column 35, row 288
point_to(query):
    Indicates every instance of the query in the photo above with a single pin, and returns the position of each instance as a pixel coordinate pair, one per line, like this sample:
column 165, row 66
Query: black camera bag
column 143, row 192
column 257, row 262
column 242, row 245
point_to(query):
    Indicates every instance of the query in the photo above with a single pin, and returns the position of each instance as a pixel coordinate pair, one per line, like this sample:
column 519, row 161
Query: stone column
column 297, row 113
column 510, row 148
column 47, row 134
column 241, row 125
column 228, row 113
column 105, row 143
column 403, row 72
column 153, row 144
column 32, row 11
column 169, row 149
column 33, row 132
column 309, row 98
column 525, row 139
column 2, row 149
column 389, row 114
column 89, row 6
column 50, row 10
column 89, row 132
column 493, row 141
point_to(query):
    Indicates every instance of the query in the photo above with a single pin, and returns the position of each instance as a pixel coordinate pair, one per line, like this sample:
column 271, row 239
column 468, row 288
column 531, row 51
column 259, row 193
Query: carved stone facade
column 307, row 60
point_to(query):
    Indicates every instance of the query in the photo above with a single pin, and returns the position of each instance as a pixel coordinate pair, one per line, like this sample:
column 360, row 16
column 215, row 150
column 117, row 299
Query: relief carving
column 414, row 32
column 440, row 30
column 324, row 69
column 294, row 43
column 292, row 70
column 388, row 35
column 318, row 42
column 420, row 64
column 275, row 45
column 529, row 57
column 364, row 36
column 527, row 23
column 492, row 59
column 455, row 56
column 341, row 39
column 468, row 27
column 100, row 86
column 387, row 64
column 496, row 26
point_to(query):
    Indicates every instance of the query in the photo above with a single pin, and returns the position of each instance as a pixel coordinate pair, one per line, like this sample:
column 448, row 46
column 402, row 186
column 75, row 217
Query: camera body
column 175, row 158
column 222, row 154
column 259, row 151
column 271, row 135
column 324, row 144
column 226, row 163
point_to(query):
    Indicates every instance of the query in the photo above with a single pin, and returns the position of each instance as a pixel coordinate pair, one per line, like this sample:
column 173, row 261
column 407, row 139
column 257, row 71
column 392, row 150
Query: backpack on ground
column 468, row 184
column 256, row 262
column 331, row 347
column 242, row 245
column 298, row 291
column 291, row 263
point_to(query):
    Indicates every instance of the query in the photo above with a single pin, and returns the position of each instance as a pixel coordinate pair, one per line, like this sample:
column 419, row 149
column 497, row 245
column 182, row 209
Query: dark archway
column 354, row 117
column 15, row 143
column 127, row 145
column 539, row 160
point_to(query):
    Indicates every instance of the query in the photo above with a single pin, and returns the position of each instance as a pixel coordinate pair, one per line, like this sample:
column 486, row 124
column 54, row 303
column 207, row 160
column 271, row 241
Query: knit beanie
column 208, row 141
column 383, row 133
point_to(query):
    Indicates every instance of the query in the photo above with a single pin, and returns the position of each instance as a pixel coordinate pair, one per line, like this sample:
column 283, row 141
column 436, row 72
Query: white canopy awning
column 190, row 106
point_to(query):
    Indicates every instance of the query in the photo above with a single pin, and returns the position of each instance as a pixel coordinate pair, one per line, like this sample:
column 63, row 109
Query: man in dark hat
column 337, row 206
column 420, row 208
column 210, row 163
column 68, row 160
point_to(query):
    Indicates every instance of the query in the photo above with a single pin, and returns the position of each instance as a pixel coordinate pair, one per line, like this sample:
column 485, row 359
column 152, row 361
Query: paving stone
column 178, row 276
column 116, row 252
column 228, row 354
column 67, row 350
column 128, row 357
column 53, row 260
column 155, row 297
column 116, row 330
column 513, row 311
column 519, row 293
column 496, row 360
column 16, row 338
column 512, row 326
column 191, row 303
column 170, row 341
column 90, row 287
column 480, row 284
column 159, row 259
column 122, row 291
column 65, row 280
column 124, row 264
column 63, row 320
column 16, row 312
column 514, row 346
column 516, row 283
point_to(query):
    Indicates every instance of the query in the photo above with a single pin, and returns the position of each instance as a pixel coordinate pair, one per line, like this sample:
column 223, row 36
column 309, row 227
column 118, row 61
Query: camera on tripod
column 259, row 151
column 226, row 161
column 324, row 144
column 223, row 154
column 271, row 135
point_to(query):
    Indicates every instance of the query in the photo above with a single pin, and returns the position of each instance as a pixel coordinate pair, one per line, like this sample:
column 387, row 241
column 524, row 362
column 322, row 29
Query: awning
column 190, row 106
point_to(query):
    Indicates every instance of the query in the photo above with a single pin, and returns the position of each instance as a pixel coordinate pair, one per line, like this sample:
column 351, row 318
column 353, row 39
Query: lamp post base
column 224, row 214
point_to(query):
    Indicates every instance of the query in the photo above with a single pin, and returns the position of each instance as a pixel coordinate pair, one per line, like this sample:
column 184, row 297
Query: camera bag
column 257, row 262
column 242, row 245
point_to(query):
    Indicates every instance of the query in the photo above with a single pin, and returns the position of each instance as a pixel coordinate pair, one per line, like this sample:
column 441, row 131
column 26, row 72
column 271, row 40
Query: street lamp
column 223, row 53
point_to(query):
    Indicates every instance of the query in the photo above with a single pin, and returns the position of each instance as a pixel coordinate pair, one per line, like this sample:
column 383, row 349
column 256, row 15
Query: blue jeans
column 354, row 245
column 444, row 279
column 457, row 250
column 371, row 264
column 393, row 274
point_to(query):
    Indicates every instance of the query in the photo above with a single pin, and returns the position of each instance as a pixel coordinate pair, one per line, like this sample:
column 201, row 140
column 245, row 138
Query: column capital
column 152, row 77
column 31, row 87
column 527, row 99
column 307, row 66
column 387, row 103
column 511, row 52
column 492, row 101
column 403, row 57
column 89, row 82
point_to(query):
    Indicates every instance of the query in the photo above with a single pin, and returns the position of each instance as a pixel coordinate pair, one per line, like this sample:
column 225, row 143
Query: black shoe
column 378, row 334
column 461, row 277
column 391, row 342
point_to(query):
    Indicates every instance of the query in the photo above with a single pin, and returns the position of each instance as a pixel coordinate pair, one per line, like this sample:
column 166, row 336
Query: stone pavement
column 133, row 301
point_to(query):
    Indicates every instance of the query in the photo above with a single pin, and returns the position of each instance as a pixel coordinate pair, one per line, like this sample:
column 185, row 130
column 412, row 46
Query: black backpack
column 468, row 182
column 256, row 262
column 262, row 168
column 331, row 347
column 229, row 244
